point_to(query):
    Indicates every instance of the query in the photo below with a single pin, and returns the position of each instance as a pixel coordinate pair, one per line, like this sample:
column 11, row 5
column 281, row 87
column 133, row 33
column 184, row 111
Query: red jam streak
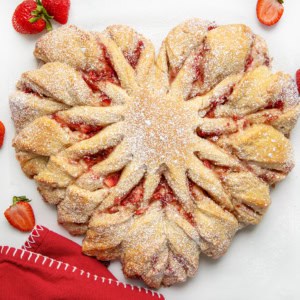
column 107, row 73
column 221, row 171
column 270, row 119
column 90, row 130
column 205, row 134
column 173, row 73
column 134, row 197
column 91, row 160
column 199, row 65
column 211, row 27
column 267, row 60
column 141, row 211
column 211, row 113
column 106, row 101
column 110, row 73
column 248, row 63
column 207, row 163
column 112, row 179
column 279, row 104
column 28, row 90
column 250, row 59
column 92, row 78
column 133, row 57
column 165, row 195
column 219, row 101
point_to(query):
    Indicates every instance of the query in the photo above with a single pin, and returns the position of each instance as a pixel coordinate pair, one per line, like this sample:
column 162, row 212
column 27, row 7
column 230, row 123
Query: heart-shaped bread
column 155, row 160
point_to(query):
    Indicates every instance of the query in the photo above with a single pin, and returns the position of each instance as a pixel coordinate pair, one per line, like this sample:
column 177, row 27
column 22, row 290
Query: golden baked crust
column 155, row 160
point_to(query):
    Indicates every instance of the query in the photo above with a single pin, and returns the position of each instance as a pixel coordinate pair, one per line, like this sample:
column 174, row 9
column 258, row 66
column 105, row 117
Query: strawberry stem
column 48, row 23
column 32, row 20
column 17, row 199
column 280, row 1
column 41, row 13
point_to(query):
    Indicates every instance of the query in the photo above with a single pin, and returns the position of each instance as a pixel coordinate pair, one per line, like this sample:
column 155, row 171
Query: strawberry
column 2, row 133
column 298, row 80
column 31, row 17
column 112, row 180
column 20, row 214
column 59, row 9
column 269, row 12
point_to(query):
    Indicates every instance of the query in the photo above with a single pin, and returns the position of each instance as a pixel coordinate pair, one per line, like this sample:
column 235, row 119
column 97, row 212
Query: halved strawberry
column 298, row 80
column 269, row 12
column 2, row 133
column 112, row 180
column 20, row 214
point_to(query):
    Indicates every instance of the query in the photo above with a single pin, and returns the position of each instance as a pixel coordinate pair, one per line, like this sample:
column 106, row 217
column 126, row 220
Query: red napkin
column 50, row 266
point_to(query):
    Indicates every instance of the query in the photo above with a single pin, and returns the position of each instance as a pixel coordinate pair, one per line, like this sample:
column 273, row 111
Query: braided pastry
column 155, row 159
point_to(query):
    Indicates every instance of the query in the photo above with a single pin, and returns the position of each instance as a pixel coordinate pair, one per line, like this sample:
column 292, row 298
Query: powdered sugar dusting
column 192, row 138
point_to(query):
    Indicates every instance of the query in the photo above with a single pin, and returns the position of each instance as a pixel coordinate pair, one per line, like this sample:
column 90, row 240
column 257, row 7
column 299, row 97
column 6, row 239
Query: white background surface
column 263, row 262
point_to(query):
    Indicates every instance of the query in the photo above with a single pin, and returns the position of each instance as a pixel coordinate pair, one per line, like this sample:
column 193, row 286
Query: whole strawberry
column 298, row 80
column 59, row 9
column 20, row 214
column 31, row 17
column 2, row 133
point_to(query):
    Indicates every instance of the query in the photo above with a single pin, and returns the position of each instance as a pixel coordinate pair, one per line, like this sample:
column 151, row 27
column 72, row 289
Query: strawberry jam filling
column 248, row 63
column 134, row 56
column 93, row 159
column 105, row 101
column 267, row 60
column 112, row 179
column 28, row 90
column 219, row 170
column 255, row 51
column 173, row 73
column 279, row 104
column 269, row 118
column 207, row 163
column 267, row 177
column 89, row 130
column 211, row 27
column 206, row 134
column 165, row 195
column 109, row 72
column 92, row 78
column 211, row 113
column 221, row 100
column 106, row 74
column 133, row 198
column 198, row 65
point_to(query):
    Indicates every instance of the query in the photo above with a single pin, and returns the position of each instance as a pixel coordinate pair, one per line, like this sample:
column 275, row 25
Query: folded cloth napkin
column 50, row 266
